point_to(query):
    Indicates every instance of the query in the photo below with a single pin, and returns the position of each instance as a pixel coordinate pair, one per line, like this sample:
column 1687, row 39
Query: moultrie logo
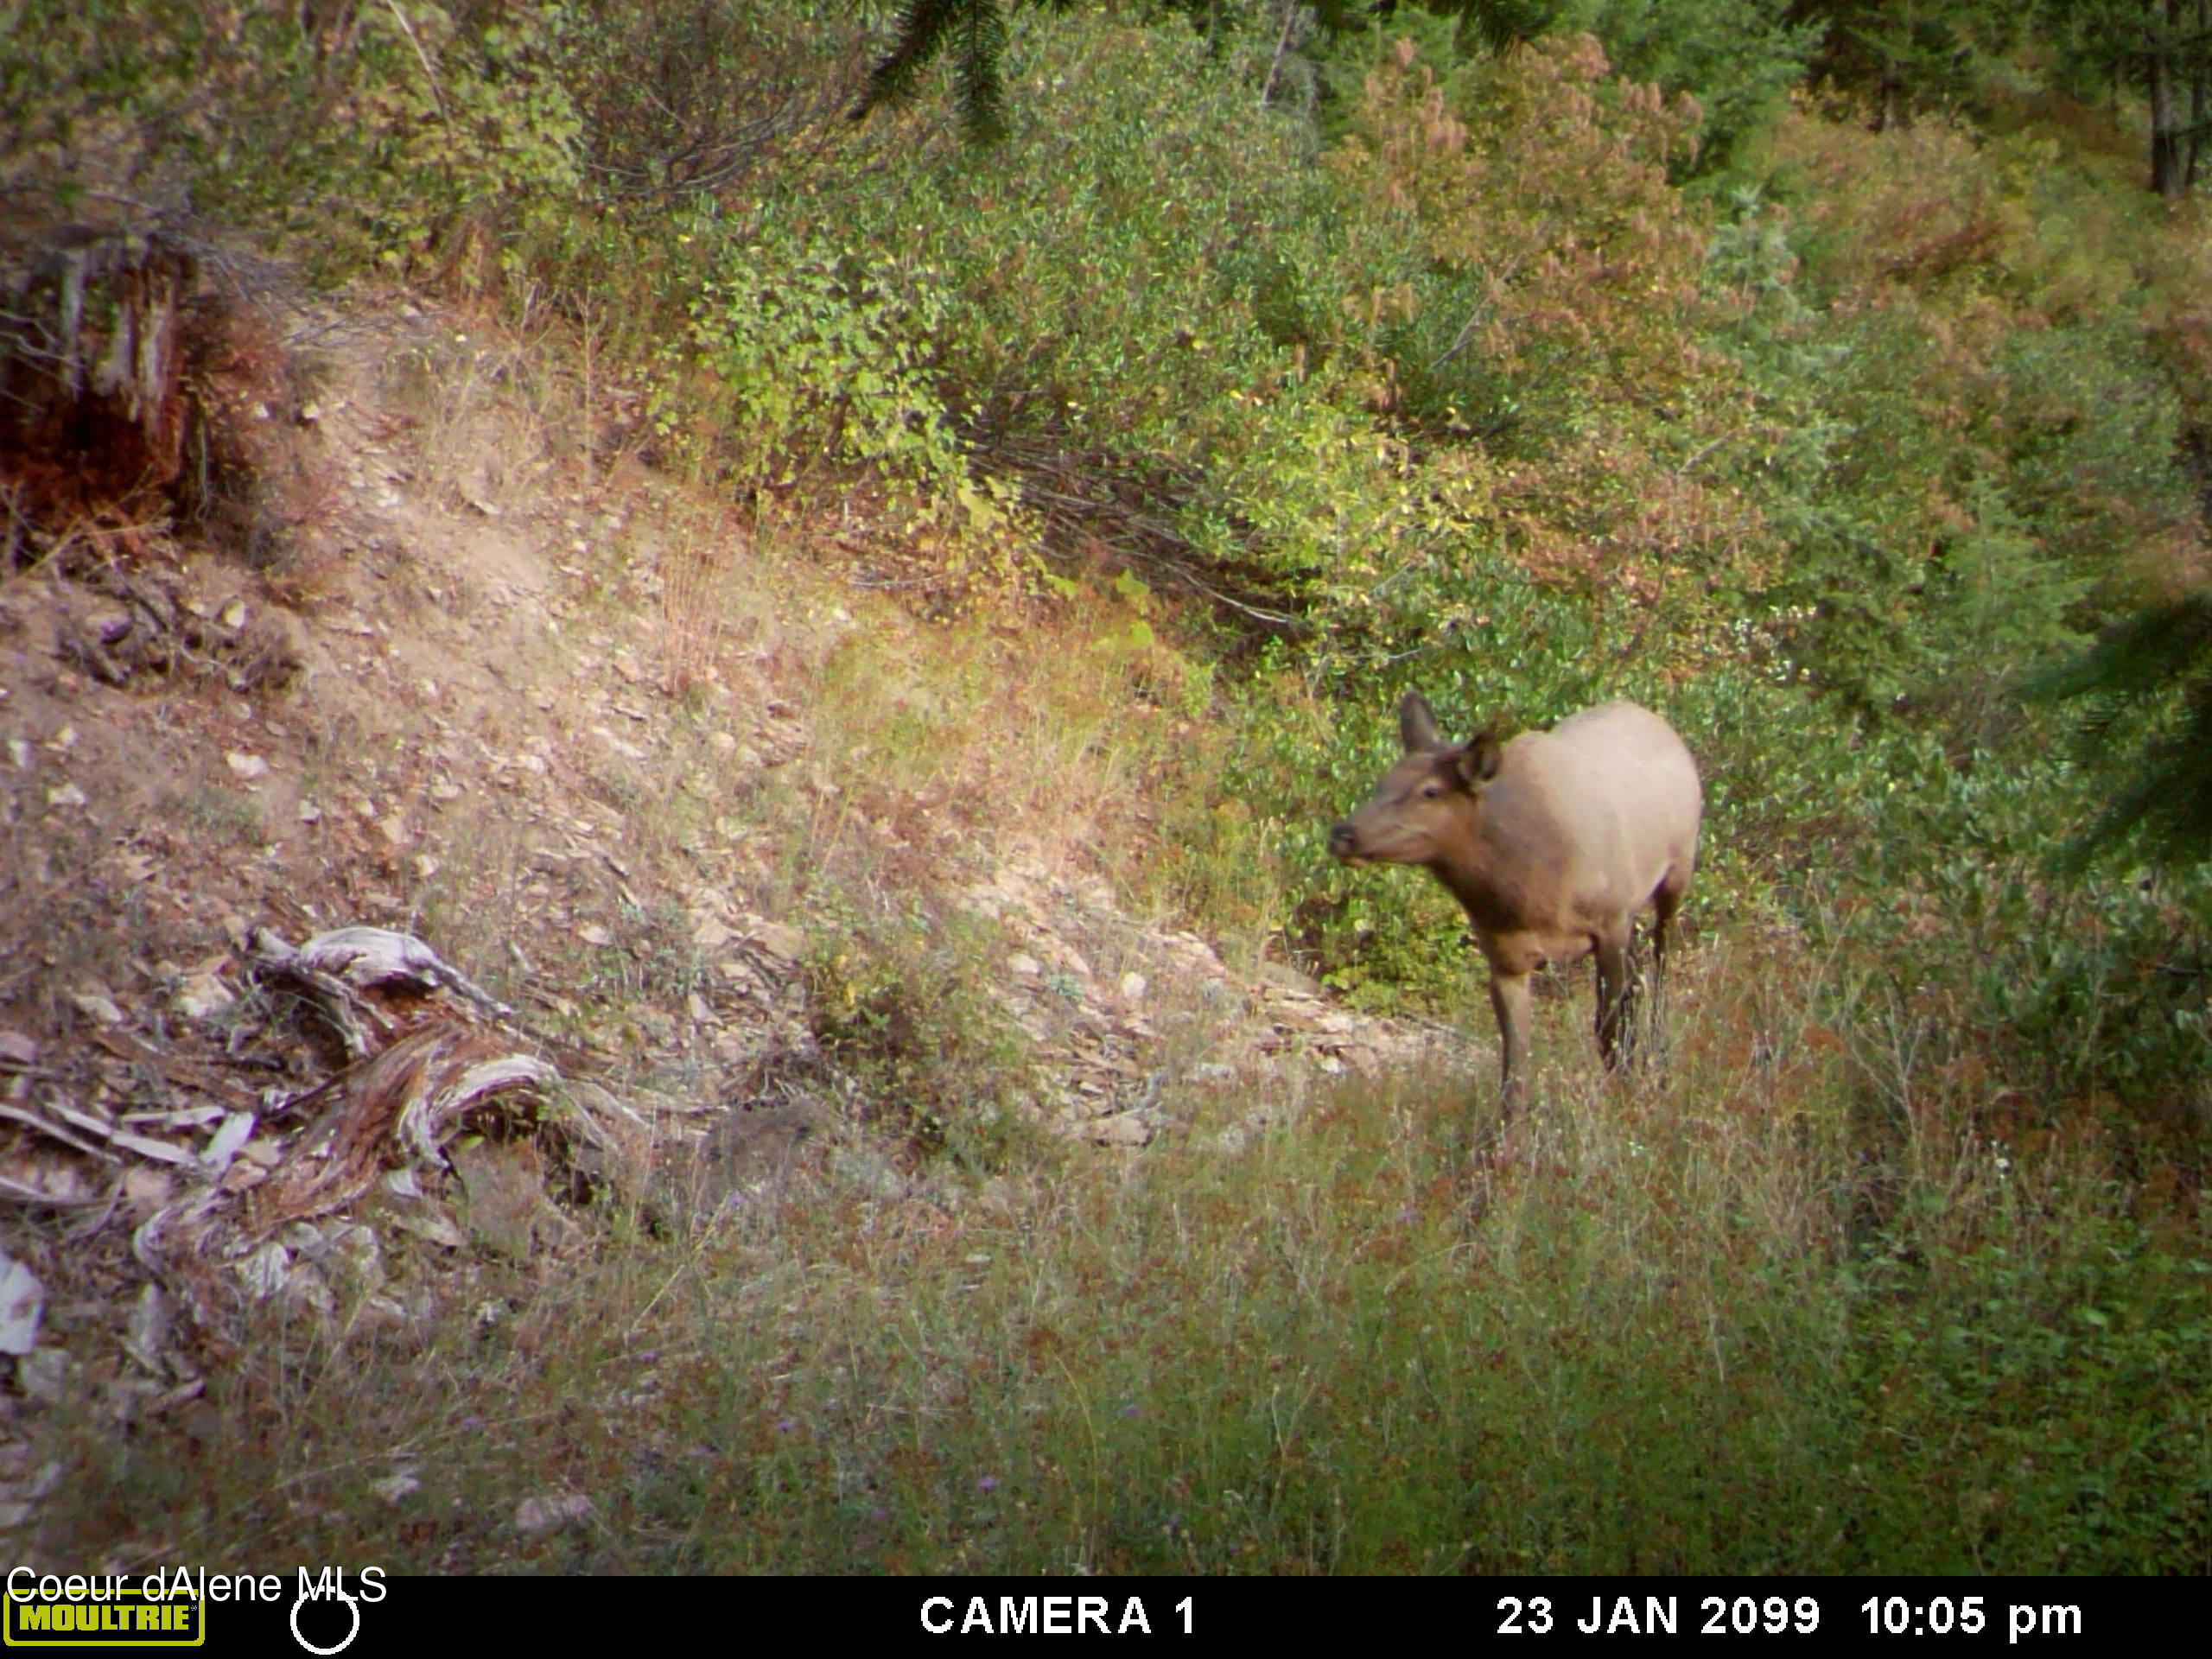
column 101, row 1611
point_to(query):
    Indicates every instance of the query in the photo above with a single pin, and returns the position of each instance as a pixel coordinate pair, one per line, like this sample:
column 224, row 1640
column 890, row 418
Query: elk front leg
column 1510, row 1000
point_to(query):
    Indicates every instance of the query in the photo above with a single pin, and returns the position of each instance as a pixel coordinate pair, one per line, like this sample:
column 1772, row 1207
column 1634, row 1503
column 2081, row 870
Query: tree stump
column 93, row 412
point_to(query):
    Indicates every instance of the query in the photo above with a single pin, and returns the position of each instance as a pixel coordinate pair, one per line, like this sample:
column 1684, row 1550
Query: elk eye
column 1429, row 793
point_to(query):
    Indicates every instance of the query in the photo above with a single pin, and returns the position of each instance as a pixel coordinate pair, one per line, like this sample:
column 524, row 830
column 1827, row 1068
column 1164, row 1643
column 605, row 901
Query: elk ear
column 1476, row 762
column 1417, row 724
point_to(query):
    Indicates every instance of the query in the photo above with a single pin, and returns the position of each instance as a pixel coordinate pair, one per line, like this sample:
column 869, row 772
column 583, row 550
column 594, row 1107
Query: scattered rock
column 46, row 1376
column 308, row 1290
column 247, row 766
column 535, row 1515
column 265, row 1273
column 22, row 1304
column 1126, row 1130
column 202, row 997
column 432, row 1225
column 147, row 1334
column 146, row 1190
column 237, row 1129
column 1283, row 976
column 780, row 940
column 357, row 1258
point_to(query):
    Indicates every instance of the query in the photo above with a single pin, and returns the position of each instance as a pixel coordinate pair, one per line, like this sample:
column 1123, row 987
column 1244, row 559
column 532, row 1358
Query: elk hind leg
column 1616, row 1032
column 1666, row 900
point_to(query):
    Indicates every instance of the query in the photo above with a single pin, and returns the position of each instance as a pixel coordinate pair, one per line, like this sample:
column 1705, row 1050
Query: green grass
column 1677, row 1328
column 1901, row 1266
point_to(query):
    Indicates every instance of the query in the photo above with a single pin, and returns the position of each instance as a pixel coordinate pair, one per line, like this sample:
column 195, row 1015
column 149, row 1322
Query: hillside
column 559, row 725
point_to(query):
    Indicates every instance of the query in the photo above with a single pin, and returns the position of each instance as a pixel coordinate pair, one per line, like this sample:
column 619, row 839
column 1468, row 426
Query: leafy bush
column 419, row 134
column 898, row 1009
column 820, row 352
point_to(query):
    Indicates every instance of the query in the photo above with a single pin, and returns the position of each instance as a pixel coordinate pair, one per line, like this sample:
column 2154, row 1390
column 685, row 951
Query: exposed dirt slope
column 440, row 682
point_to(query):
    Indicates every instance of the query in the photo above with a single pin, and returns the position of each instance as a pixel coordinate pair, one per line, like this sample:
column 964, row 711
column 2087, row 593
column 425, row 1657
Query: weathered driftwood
column 369, row 982
column 429, row 1055
column 410, row 1099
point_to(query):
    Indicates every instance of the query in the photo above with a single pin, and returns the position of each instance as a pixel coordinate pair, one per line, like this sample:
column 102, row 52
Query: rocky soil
column 446, row 696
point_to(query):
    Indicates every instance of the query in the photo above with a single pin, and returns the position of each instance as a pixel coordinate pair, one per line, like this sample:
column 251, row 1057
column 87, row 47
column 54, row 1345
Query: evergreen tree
column 1912, row 52
column 2148, row 687
column 1941, row 52
column 975, row 32
column 1735, row 57
column 2162, row 48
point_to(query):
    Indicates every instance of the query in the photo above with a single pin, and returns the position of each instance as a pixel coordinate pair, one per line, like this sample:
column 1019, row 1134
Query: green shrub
column 899, row 1009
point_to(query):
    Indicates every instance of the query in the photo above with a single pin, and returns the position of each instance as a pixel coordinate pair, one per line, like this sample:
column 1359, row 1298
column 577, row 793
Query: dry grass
column 1659, row 1332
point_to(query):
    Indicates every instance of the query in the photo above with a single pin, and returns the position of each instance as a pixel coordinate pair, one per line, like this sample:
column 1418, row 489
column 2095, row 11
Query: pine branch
column 983, row 95
column 2156, row 666
column 975, row 30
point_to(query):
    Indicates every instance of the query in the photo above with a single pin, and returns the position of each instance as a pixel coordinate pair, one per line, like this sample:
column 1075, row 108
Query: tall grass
column 1672, row 1327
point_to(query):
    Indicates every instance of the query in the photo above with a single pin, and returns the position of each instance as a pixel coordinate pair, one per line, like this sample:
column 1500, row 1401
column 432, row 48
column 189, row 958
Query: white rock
column 236, row 1130
column 201, row 997
column 265, row 1271
column 147, row 1332
column 1127, row 1130
column 99, row 1008
column 22, row 1304
column 247, row 766
column 557, row 1509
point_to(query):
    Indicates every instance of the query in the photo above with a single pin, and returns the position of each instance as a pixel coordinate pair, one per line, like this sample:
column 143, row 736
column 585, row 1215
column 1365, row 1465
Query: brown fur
column 1552, row 844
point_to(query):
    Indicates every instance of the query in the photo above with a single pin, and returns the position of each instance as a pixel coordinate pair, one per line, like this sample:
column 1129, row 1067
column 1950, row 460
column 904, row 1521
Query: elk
column 1552, row 844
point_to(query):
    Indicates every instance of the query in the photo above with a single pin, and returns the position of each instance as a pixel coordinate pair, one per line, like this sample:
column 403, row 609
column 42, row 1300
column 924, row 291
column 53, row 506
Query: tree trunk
column 2198, row 90
column 2167, row 170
